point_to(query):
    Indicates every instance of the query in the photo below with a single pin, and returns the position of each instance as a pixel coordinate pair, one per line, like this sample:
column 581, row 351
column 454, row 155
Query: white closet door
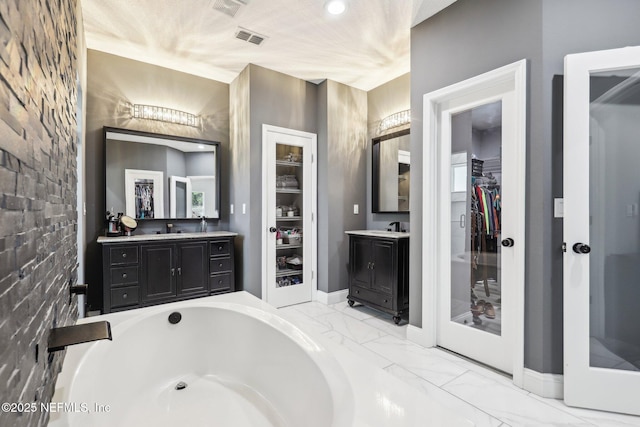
column 289, row 216
column 473, row 243
column 602, row 230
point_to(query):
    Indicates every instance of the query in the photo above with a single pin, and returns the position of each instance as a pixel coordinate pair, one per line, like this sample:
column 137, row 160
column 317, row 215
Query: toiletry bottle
column 203, row 224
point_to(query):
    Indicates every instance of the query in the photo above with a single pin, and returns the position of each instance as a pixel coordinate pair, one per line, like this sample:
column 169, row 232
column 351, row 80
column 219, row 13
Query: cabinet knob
column 179, row 271
column 124, row 275
column 357, row 291
column 220, row 265
column 386, row 300
column 173, row 271
column 125, row 295
column 220, row 282
column 124, row 254
column 220, row 248
column 581, row 248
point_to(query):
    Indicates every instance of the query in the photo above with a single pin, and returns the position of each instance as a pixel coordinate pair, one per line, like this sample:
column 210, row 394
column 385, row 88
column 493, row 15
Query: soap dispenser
column 203, row 224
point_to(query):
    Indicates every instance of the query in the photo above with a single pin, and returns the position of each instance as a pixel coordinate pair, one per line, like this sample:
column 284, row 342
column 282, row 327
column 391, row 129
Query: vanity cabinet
column 379, row 273
column 173, row 271
column 138, row 272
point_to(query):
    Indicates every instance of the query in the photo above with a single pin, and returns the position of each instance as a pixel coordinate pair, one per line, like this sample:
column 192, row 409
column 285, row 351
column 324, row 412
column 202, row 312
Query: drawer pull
column 220, row 265
column 386, row 300
column 124, row 275
column 219, row 248
column 220, row 282
column 124, row 254
column 357, row 291
column 125, row 295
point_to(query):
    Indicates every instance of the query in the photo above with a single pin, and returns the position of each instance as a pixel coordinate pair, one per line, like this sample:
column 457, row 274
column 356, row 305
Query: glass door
column 602, row 230
column 290, row 219
column 473, row 218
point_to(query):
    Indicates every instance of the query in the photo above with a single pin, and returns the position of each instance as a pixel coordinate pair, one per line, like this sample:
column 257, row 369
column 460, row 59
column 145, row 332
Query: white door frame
column 478, row 90
column 586, row 386
column 311, row 233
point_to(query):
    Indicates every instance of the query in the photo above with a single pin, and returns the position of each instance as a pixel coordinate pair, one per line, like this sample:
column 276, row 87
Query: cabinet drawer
column 124, row 275
column 124, row 296
column 220, row 282
column 219, row 247
column 383, row 300
column 123, row 255
column 219, row 265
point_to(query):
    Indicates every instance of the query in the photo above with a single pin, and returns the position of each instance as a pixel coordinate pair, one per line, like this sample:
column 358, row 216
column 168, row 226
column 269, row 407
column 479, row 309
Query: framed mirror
column 391, row 173
column 155, row 176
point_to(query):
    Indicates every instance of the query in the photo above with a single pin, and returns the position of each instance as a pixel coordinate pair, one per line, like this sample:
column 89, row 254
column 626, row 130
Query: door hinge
column 312, row 218
column 564, row 246
column 312, row 158
column 312, row 274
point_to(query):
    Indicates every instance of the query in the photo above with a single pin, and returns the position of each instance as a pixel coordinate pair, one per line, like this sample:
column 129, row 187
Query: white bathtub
column 242, row 366
column 242, row 363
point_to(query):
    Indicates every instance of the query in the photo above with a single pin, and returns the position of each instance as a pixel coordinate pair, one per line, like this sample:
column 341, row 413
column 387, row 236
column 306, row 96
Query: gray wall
column 38, row 181
column 112, row 83
column 342, row 147
column 386, row 99
column 275, row 99
column 469, row 38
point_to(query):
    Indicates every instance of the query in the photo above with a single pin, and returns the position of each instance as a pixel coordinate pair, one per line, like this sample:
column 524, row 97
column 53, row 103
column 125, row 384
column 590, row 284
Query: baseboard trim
column 417, row 335
column 332, row 297
column 544, row 385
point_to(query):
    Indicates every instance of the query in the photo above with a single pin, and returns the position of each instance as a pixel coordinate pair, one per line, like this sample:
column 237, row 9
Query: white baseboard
column 417, row 335
column 332, row 297
column 544, row 385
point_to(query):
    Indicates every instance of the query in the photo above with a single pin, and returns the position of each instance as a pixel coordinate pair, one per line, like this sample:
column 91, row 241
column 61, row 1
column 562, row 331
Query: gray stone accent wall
column 38, row 143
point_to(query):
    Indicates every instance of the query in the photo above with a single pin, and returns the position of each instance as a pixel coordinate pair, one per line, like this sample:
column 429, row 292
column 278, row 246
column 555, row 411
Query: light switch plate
column 558, row 207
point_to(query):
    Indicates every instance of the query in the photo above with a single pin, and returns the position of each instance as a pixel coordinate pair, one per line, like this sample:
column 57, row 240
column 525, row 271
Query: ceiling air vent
column 229, row 7
column 249, row 36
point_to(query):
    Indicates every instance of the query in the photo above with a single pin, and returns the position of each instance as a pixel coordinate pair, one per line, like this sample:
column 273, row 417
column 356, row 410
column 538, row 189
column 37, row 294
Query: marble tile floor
column 482, row 395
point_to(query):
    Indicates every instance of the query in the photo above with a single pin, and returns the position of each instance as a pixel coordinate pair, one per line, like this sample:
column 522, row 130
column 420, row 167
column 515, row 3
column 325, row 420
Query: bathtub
column 230, row 360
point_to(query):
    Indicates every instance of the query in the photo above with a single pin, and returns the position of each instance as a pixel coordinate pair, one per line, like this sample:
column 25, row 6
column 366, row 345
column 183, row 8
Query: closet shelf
column 288, row 163
column 288, row 218
column 287, row 246
column 288, row 190
column 288, row 272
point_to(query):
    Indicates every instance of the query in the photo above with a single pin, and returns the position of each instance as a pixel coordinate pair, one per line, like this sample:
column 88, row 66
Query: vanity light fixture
column 336, row 7
column 168, row 115
column 394, row 120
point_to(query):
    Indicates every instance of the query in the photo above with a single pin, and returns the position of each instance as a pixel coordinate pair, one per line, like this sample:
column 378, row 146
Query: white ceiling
column 365, row 47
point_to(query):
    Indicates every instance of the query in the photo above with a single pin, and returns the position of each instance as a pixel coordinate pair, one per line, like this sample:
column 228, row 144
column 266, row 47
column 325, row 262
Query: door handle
column 463, row 220
column 581, row 248
column 173, row 271
column 272, row 229
column 179, row 271
column 508, row 242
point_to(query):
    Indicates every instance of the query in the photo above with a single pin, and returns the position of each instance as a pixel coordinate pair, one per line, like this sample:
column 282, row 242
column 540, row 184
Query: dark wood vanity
column 145, row 270
column 379, row 271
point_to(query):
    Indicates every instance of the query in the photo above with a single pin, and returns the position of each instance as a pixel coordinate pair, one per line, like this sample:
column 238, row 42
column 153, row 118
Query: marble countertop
column 380, row 233
column 165, row 236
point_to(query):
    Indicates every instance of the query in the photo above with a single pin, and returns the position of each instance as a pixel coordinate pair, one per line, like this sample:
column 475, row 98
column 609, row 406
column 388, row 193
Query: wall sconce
column 168, row 115
column 394, row 120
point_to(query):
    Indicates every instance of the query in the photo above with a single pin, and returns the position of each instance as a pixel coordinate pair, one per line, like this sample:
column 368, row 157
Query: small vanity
column 379, row 270
column 151, row 269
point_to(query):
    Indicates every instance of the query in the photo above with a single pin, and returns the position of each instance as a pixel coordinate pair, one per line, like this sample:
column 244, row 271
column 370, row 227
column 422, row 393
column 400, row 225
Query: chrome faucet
column 396, row 225
column 59, row 338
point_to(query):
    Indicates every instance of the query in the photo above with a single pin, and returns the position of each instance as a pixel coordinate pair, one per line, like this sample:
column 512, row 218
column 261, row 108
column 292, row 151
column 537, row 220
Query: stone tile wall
column 38, row 143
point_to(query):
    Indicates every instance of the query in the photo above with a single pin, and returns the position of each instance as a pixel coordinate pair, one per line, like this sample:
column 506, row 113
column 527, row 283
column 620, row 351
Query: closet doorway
column 473, row 210
column 601, row 228
column 289, row 198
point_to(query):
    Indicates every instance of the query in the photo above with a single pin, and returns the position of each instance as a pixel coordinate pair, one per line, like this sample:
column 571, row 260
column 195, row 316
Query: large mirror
column 391, row 177
column 153, row 176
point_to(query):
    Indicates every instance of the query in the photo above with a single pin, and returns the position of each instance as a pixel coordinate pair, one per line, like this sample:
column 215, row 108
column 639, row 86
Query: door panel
column 193, row 274
column 602, row 230
column 361, row 262
column 158, row 272
column 384, row 266
column 289, row 204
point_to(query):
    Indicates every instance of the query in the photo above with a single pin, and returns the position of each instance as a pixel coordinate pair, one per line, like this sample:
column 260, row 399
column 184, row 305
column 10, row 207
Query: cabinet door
column 360, row 259
column 384, row 265
column 192, row 271
column 158, row 272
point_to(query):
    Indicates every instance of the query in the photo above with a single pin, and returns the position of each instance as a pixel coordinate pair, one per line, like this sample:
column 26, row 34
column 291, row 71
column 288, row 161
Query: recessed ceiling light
column 336, row 7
